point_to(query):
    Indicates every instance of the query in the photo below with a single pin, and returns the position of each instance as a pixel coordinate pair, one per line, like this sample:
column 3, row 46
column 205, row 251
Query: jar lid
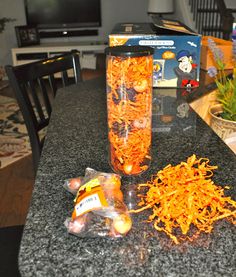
column 129, row 51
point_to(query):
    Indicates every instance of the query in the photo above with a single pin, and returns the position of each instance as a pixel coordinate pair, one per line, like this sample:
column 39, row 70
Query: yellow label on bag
column 89, row 197
column 89, row 185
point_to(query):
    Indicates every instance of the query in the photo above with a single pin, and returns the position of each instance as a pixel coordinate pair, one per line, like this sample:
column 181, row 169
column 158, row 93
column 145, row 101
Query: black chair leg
column 10, row 238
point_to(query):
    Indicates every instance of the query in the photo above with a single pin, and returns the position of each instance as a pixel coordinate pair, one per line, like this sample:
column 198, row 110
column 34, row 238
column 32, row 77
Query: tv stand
column 69, row 33
column 28, row 54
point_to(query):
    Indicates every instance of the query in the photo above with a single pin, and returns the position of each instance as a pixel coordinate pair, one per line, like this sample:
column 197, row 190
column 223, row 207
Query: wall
column 231, row 4
column 12, row 9
column 113, row 11
column 183, row 13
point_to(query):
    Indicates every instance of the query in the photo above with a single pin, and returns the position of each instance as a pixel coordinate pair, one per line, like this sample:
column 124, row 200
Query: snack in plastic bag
column 73, row 184
column 99, row 208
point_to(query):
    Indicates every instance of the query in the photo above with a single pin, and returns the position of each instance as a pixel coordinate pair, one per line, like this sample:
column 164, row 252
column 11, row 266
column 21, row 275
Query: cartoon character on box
column 186, row 72
column 158, row 70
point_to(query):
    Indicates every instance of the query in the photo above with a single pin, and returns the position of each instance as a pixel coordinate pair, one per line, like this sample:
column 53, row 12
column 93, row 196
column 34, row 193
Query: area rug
column 14, row 141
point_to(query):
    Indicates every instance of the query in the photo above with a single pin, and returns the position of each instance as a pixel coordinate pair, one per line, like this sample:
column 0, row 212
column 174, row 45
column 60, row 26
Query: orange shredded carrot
column 129, row 99
column 185, row 195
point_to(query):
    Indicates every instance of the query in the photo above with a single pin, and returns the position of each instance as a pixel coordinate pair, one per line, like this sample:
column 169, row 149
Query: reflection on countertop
column 171, row 113
column 175, row 109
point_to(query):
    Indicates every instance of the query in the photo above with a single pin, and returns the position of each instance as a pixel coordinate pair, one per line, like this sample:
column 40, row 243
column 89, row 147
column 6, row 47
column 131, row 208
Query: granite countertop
column 76, row 139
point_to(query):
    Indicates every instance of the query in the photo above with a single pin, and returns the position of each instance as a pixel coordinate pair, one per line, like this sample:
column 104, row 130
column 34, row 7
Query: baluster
column 211, row 17
column 213, row 23
column 195, row 9
column 207, row 14
column 217, row 24
column 199, row 16
column 203, row 17
column 191, row 5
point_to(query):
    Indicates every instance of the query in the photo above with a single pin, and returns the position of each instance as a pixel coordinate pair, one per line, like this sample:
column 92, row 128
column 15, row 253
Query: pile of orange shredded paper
column 185, row 195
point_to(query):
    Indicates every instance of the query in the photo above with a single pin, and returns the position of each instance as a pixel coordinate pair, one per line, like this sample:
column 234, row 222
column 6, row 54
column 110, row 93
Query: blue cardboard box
column 177, row 50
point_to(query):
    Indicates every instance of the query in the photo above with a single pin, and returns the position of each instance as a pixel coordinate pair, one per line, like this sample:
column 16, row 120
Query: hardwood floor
column 16, row 185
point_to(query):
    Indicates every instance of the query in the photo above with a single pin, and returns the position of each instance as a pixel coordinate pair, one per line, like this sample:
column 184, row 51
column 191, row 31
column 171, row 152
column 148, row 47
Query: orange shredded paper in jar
column 129, row 104
column 185, row 195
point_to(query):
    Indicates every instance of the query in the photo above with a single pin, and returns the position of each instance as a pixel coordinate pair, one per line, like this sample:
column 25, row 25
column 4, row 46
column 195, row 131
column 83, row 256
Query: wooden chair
column 35, row 86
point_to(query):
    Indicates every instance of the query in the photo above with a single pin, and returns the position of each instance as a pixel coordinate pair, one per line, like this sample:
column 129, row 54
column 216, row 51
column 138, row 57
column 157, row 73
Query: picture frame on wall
column 27, row 35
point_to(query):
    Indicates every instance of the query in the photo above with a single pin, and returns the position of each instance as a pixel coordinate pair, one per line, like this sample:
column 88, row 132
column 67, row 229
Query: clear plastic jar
column 129, row 107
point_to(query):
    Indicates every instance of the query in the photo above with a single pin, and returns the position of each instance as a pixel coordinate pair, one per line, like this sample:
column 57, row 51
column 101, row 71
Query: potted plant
column 223, row 113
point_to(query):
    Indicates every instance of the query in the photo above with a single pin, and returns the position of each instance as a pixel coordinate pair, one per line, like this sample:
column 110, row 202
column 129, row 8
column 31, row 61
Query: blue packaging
column 177, row 50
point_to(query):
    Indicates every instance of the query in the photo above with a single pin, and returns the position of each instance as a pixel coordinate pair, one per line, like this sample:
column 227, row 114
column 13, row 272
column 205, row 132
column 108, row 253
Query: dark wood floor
column 16, row 185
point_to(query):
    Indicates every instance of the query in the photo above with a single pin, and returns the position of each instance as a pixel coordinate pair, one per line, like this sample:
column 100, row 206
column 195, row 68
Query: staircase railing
column 212, row 18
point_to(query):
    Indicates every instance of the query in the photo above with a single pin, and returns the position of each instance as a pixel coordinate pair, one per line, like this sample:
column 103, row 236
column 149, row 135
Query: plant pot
column 222, row 127
column 231, row 142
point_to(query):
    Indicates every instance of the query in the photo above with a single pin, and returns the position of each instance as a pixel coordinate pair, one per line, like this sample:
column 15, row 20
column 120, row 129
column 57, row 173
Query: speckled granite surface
column 77, row 138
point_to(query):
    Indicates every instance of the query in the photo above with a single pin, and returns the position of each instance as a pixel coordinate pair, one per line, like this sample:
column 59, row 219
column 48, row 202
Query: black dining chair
column 35, row 85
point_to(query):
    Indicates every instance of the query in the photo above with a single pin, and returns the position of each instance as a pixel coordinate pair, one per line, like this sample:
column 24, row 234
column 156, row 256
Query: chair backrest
column 35, row 86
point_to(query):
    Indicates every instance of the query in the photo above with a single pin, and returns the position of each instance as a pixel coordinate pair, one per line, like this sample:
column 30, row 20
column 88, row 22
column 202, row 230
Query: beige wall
column 12, row 9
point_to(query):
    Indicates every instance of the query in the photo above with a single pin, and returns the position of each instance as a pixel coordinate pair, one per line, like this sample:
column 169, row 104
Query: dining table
column 77, row 138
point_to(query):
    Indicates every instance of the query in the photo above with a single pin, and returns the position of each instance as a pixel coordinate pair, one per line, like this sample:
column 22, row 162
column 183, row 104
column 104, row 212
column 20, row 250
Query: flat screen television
column 47, row 14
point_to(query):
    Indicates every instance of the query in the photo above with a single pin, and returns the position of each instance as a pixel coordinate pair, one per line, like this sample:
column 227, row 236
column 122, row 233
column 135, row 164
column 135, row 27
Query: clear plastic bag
column 99, row 209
